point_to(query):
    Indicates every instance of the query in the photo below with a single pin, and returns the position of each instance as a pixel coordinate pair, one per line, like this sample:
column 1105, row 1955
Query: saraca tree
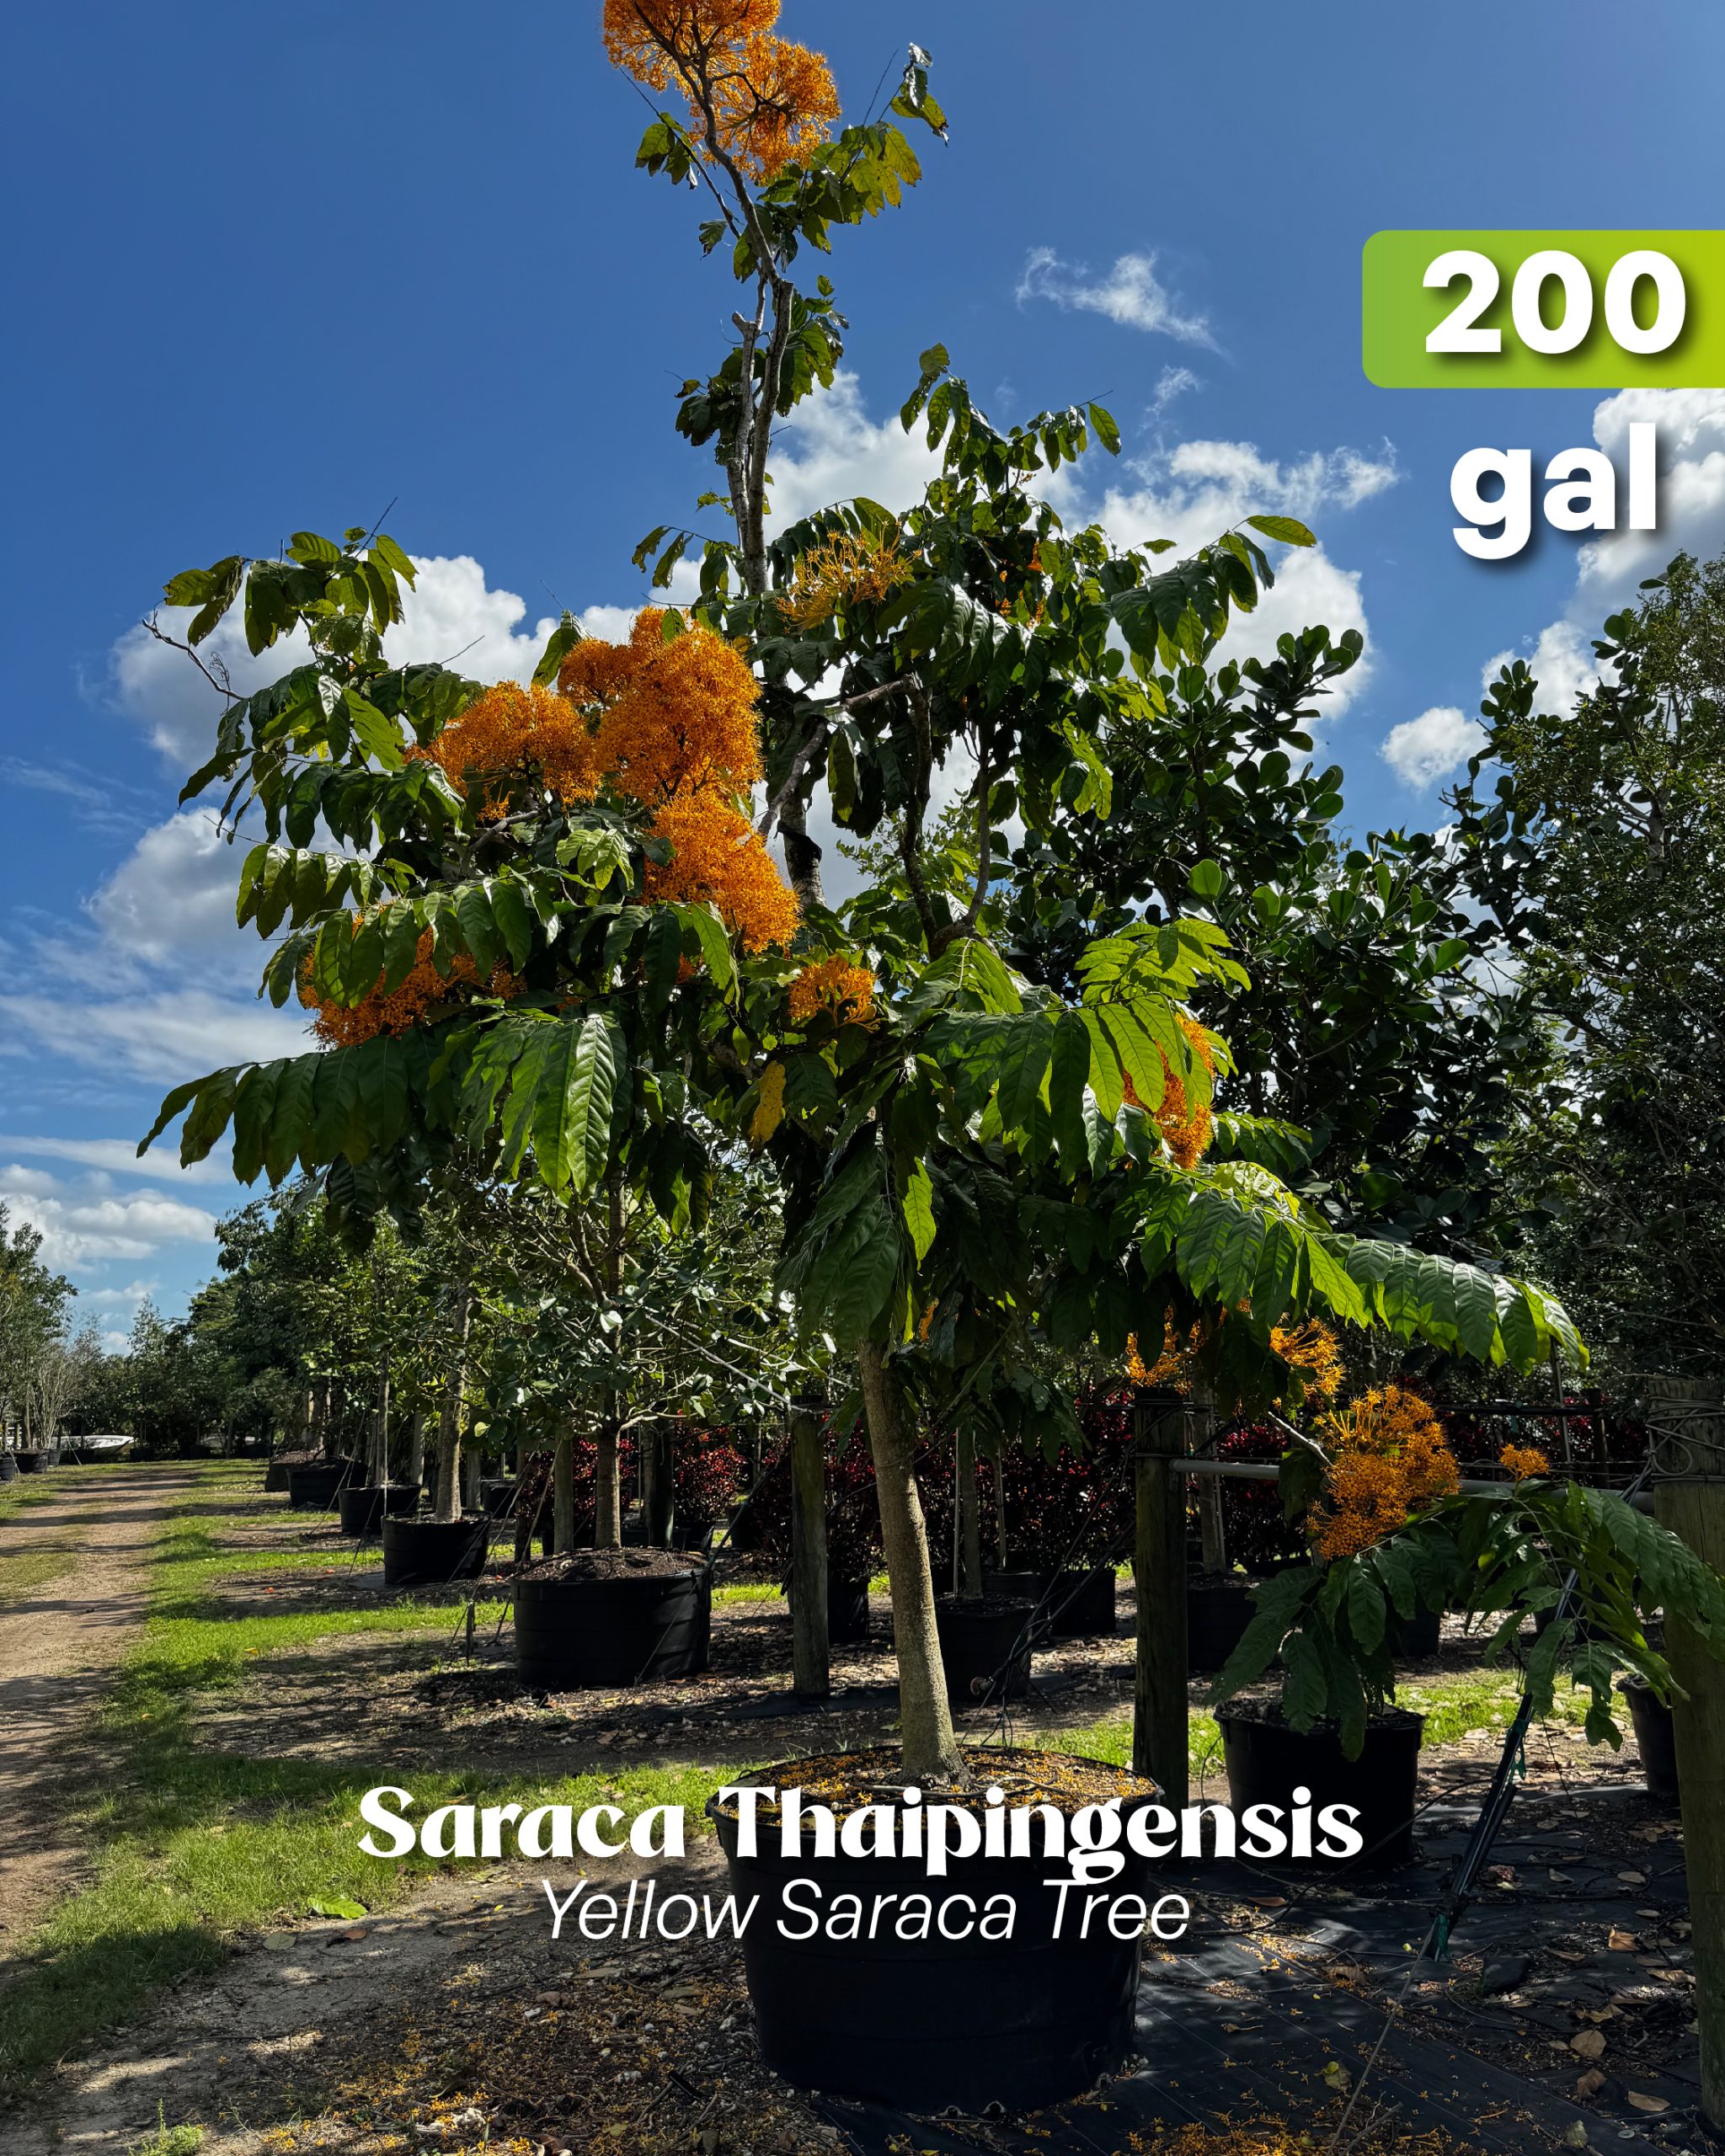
column 544, row 932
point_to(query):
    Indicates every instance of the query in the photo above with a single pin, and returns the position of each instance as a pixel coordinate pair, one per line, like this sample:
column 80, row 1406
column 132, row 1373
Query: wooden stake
column 810, row 1663
column 1695, row 1510
column 1159, row 1736
column 658, row 1456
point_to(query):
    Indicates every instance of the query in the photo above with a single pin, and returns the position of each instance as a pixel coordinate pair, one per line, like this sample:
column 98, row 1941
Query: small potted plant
column 1393, row 1531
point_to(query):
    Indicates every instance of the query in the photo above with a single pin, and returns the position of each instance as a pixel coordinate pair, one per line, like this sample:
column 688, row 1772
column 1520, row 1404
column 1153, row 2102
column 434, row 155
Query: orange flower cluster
column 1311, row 1348
column 1185, row 1130
column 674, row 726
column 718, row 855
column 840, row 571
column 671, row 724
column 753, row 97
column 1315, row 1351
column 1390, row 1459
column 670, row 717
column 424, row 989
column 1522, row 1462
column 512, row 732
column 837, row 985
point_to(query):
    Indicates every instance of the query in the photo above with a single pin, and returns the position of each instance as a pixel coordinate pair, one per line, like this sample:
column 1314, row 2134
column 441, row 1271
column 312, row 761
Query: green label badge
column 1527, row 310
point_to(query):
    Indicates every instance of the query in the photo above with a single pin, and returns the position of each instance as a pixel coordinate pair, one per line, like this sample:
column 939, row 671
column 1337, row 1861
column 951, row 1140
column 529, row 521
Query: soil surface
column 616, row 1565
column 58, row 1645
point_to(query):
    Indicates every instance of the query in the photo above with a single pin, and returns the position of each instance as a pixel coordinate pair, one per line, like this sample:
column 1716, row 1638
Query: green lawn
column 195, row 1845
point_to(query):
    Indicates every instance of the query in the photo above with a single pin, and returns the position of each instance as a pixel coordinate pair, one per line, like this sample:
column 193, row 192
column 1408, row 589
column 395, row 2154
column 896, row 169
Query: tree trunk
column 1212, row 1532
column 1695, row 1511
column 811, row 1669
column 929, row 1752
column 999, row 1478
column 659, row 1454
column 416, row 1453
column 470, row 1481
column 607, row 1493
column 448, row 1502
column 562, row 1495
column 378, row 1471
column 1159, row 1705
column 969, row 1510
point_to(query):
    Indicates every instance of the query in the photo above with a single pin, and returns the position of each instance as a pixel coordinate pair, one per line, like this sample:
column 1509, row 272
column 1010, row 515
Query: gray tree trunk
column 562, row 1495
column 929, row 1752
column 446, row 1505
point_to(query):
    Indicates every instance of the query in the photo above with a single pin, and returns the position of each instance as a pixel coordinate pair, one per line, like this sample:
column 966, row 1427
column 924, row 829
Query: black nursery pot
column 1655, row 1736
column 363, row 1506
column 498, row 1499
column 985, row 1647
column 275, row 1476
column 8, row 1467
column 575, row 1633
column 1267, row 1761
column 315, row 1488
column 1217, row 1613
column 1081, row 1604
column 33, row 1462
column 846, row 1610
column 427, row 1552
column 926, row 2024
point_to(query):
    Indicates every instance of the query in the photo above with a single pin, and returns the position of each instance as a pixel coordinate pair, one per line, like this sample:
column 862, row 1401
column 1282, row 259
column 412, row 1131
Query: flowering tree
column 978, row 1171
column 978, row 1168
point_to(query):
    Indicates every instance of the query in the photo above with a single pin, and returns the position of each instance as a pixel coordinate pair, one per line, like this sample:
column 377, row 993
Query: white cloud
column 164, row 1038
column 119, row 1299
column 82, row 1228
column 113, row 1156
column 1130, row 293
column 834, row 452
column 172, row 896
column 1691, row 426
column 1194, row 492
column 451, row 614
column 1170, row 383
column 1422, row 750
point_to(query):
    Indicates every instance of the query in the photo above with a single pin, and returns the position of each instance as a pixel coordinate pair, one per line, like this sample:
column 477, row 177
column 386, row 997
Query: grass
column 29, row 1569
column 168, row 2140
column 195, row 1846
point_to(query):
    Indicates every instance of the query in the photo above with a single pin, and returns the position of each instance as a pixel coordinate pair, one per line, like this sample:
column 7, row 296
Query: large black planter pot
column 32, row 1462
column 1267, row 1761
column 1022, row 1584
column 428, row 1552
column 924, row 2024
column 1081, row 1604
column 315, row 1488
column 1655, row 1737
column 985, row 1647
column 363, row 1506
column 847, row 1611
column 1217, row 1613
column 498, row 1499
column 628, row 1628
column 275, row 1476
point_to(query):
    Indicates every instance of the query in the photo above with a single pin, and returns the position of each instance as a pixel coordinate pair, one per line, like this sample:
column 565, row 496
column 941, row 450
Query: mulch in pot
column 614, row 1564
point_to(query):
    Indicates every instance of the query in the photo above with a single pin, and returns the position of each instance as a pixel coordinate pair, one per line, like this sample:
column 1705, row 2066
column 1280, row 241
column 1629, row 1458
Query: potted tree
column 1391, row 1531
column 968, row 1186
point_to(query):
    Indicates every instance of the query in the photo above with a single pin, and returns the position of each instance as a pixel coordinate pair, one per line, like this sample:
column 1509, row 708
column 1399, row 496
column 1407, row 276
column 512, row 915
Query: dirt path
column 58, row 1645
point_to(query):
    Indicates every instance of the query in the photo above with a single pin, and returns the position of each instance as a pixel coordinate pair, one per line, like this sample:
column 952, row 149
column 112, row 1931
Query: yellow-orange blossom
column 754, row 97
column 670, row 725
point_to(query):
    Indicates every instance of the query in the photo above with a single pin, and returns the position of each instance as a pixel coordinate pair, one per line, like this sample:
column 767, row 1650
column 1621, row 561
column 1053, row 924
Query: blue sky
column 273, row 268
